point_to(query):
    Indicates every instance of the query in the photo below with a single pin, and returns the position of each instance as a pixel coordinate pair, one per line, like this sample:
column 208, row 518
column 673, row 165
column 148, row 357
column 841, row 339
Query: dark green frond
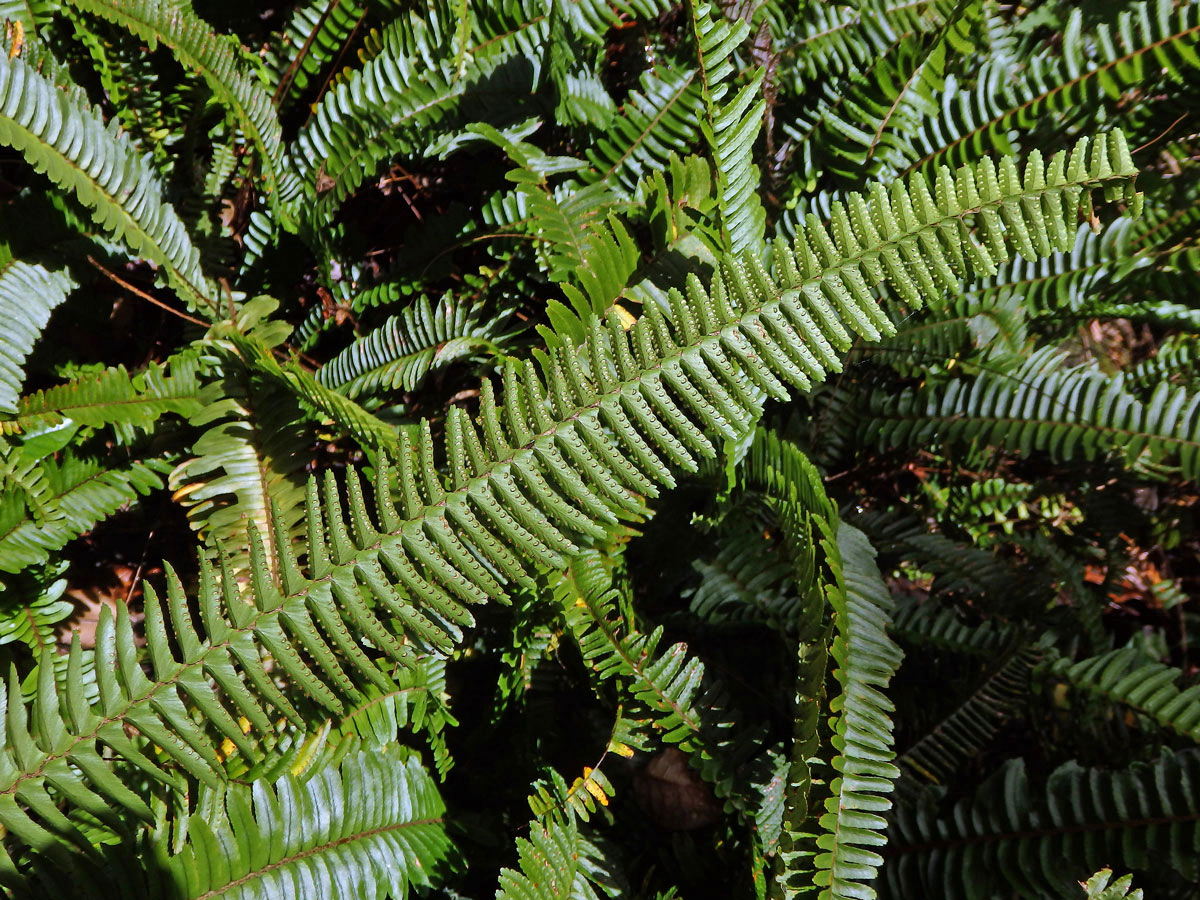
column 401, row 353
column 1147, row 687
column 218, row 59
column 1081, row 818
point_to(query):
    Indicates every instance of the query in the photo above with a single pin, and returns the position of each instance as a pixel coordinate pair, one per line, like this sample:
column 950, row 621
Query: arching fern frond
column 114, row 397
column 866, row 659
column 28, row 294
column 1044, row 405
column 1147, row 687
column 402, row 352
column 556, row 862
column 71, row 145
column 1151, row 42
column 316, row 34
column 218, row 59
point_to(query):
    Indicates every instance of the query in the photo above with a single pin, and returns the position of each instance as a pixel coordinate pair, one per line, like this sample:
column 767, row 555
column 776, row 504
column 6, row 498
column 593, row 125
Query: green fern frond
column 218, row 59
column 114, row 397
column 247, row 465
column 941, row 626
column 71, row 145
column 556, row 863
column 1081, row 818
column 509, row 487
column 662, row 115
column 402, row 352
column 941, row 752
column 80, row 494
column 28, row 294
column 1150, row 42
column 373, row 827
column 730, row 129
column 1147, row 687
column 30, row 610
column 316, row 34
column 1099, row 888
column 866, row 659
column 1047, row 406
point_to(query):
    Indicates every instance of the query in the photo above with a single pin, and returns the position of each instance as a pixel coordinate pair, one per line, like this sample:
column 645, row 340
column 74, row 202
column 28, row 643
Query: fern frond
column 866, row 659
column 316, row 34
column 1047, row 406
column 114, row 397
column 30, row 609
column 941, row 752
column 1150, row 42
column 372, row 828
column 661, row 116
column 730, row 129
column 555, row 861
column 69, row 142
column 511, row 487
column 1147, row 687
column 217, row 58
column 80, row 494
column 402, row 352
column 1099, row 888
column 28, row 294
column 1081, row 818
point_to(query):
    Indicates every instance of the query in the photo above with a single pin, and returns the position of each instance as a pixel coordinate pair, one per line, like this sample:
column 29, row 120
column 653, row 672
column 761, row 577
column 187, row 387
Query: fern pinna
column 515, row 392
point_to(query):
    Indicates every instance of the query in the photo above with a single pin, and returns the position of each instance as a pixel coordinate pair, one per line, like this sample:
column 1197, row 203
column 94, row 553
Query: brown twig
column 136, row 291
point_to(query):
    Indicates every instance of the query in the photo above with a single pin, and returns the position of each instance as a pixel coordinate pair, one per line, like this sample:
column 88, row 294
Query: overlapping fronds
column 943, row 627
column 1068, row 412
column 543, row 478
column 70, row 143
column 28, row 294
column 79, row 493
column 663, row 115
column 1129, row 678
column 315, row 35
column 1014, row 839
column 730, row 129
column 218, row 59
column 371, row 828
column 402, row 352
column 1151, row 41
column 114, row 397
column 555, row 861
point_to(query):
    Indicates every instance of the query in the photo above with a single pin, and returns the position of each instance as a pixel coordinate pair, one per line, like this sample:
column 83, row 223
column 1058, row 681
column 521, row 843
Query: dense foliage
column 599, row 448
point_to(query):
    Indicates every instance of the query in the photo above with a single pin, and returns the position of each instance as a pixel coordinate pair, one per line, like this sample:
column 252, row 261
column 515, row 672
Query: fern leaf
column 1126, row 677
column 730, row 129
column 28, row 294
column 405, row 349
column 115, row 398
column 371, row 828
column 866, row 659
column 1098, row 887
column 556, row 863
column 70, row 143
column 81, row 493
column 1156, row 37
column 316, row 34
column 217, row 58
column 1046, row 406
column 615, row 408
column 1081, row 818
